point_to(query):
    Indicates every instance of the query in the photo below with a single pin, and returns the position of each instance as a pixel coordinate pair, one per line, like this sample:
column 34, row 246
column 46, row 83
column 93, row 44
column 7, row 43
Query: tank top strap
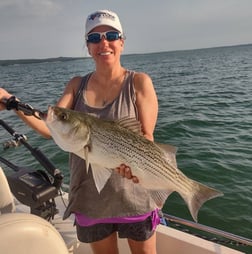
column 83, row 83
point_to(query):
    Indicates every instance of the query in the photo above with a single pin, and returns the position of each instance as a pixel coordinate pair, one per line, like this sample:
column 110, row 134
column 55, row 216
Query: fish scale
column 107, row 144
column 129, row 151
column 136, row 152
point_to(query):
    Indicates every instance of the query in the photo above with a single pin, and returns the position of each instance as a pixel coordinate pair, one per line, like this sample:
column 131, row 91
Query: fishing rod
column 36, row 189
column 27, row 109
column 37, row 154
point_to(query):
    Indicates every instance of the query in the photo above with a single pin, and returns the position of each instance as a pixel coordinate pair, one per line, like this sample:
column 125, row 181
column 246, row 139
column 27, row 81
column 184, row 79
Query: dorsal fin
column 169, row 152
column 167, row 147
column 130, row 124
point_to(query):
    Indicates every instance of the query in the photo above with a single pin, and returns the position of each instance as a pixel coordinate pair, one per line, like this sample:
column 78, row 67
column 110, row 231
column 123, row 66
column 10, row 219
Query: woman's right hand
column 125, row 171
column 3, row 95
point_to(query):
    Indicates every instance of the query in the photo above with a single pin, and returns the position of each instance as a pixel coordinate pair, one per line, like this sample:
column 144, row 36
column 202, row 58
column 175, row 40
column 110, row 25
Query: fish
column 106, row 144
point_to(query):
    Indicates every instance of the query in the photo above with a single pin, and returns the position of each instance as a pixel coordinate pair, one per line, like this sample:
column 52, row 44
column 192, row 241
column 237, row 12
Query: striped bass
column 107, row 144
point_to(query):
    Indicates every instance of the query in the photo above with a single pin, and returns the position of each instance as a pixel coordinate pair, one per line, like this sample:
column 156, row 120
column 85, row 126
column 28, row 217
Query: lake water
column 205, row 109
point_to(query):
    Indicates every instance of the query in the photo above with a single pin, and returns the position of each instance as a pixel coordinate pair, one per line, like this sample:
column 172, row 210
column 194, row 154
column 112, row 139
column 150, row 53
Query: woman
column 110, row 92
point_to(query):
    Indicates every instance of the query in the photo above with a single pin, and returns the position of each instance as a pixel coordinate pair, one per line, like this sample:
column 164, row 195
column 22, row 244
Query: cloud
column 29, row 8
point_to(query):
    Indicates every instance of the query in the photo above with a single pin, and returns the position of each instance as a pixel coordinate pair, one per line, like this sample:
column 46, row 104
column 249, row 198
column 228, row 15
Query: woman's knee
column 143, row 247
column 107, row 245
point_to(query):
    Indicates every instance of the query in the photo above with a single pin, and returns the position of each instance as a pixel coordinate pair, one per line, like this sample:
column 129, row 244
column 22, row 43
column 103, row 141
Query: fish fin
column 160, row 196
column 86, row 151
column 100, row 175
column 168, row 148
column 130, row 124
column 169, row 152
column 200, row 194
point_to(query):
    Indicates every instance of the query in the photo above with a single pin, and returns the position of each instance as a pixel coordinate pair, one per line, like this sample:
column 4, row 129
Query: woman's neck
column 105, row 75
column 103, row 87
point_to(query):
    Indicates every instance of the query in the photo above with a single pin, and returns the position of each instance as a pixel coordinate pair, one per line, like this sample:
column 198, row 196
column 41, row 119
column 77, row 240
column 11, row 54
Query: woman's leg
column 143, row 247
column 102, row 237
column 107, row 245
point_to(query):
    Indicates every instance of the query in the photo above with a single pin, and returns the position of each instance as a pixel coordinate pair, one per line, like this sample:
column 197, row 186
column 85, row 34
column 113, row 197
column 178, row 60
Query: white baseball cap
column 103, row 17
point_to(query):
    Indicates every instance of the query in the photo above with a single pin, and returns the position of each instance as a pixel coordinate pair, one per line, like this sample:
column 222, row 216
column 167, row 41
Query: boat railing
column 239, row 240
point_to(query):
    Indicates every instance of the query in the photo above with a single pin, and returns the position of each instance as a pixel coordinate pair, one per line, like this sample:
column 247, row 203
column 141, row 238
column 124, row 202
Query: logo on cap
column 101, row 14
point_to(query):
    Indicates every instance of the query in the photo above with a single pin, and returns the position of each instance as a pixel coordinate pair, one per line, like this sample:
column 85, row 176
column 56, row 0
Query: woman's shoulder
column 75, row 82
column 141, row 80
column 138, row 74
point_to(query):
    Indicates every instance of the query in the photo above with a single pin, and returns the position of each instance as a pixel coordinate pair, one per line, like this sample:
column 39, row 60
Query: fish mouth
column 48, row 116
column 43, row 115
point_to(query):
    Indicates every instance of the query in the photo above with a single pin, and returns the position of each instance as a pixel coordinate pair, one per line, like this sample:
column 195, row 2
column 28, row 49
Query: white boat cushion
column 6, row 197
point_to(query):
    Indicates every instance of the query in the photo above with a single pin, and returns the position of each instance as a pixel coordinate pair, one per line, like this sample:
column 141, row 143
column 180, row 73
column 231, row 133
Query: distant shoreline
column 64, row 59
column 42, row 60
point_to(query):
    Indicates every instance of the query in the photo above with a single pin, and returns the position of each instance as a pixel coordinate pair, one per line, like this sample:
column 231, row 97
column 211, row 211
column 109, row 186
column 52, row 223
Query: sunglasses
column 96, row 37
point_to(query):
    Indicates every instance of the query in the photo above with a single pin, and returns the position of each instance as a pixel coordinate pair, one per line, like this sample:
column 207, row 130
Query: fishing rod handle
column 27, row 109
column 11, row 103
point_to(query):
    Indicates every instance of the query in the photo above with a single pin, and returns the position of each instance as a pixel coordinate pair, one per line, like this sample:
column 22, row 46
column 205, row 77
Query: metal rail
column 239, row 239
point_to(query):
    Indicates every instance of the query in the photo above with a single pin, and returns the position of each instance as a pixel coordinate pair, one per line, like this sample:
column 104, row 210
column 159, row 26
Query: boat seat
column 24, row 233
column 6, row 198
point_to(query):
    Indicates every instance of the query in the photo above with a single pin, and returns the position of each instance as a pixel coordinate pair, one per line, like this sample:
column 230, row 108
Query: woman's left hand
column 3, row 95
column 125, row 171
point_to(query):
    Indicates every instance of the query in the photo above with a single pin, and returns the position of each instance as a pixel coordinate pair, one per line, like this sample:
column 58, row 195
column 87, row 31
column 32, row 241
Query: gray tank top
column 120, row 197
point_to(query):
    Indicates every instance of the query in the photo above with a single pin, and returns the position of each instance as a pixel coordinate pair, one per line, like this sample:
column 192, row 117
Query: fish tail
column 199, row 196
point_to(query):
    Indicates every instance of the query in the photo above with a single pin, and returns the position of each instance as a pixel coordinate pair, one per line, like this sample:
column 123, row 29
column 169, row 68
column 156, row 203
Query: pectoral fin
column 100, row 175
column 86, row 151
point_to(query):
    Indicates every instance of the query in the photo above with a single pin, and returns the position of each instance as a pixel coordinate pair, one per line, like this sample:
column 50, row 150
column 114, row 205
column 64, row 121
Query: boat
column 25, row 233
column 32, row 203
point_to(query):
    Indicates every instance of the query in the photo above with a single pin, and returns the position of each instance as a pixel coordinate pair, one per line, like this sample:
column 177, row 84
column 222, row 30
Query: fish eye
column 63, row 116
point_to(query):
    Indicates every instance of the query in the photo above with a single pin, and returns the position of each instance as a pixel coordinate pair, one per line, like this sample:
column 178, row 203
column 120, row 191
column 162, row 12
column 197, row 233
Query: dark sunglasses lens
column 94, row 38
column 112, row 36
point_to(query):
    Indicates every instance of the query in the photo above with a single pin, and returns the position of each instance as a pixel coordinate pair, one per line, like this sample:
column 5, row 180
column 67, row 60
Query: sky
column 54, row 28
